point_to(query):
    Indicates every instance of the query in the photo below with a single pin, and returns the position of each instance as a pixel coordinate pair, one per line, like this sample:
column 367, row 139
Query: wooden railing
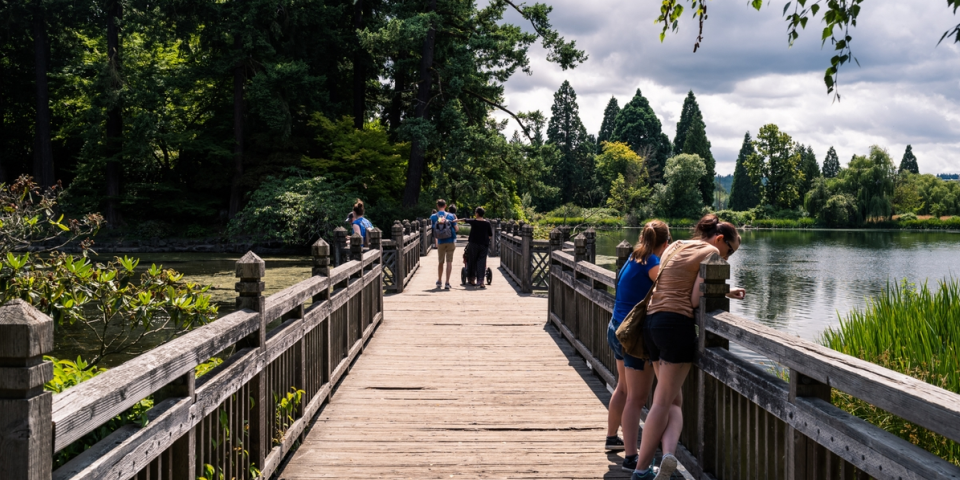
column 743, row 422
column 235, row 420
column 401, row 256
column 527, row 261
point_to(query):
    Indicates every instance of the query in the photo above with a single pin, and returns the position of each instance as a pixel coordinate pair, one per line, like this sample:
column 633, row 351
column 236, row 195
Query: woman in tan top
column 671, row 339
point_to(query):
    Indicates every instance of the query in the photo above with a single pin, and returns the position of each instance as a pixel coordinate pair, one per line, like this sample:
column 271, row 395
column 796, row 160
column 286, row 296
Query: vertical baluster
column 715, row 272
column 26, row 410
column 805, row 458
column 525, row 272
column 399, row 273
column 250, row 270
column 184, row 461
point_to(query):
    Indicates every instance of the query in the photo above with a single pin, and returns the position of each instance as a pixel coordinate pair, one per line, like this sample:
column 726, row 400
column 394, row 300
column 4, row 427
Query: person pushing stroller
column 478, row 244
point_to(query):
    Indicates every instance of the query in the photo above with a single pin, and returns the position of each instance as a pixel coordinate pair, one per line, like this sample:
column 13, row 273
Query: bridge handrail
column 231, row 418
column 812, row 438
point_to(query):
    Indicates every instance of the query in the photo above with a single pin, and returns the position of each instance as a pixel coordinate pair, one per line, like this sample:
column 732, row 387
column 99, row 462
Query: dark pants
column 476, row 261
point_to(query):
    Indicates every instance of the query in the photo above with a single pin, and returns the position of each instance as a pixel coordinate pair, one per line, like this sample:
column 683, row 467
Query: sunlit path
column 464, row 383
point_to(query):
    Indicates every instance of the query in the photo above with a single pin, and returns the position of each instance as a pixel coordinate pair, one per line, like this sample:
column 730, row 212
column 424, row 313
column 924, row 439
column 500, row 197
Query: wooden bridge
column 331, row 379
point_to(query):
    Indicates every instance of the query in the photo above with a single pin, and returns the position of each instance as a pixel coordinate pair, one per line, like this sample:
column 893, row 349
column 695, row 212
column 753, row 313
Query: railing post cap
column 580, row 240
column 339, row 231
column 715, row 268
column 251, row 266
column 25, row 332
column 527, row 229
column 320, row 248
column 590, row 233
column 624, row 243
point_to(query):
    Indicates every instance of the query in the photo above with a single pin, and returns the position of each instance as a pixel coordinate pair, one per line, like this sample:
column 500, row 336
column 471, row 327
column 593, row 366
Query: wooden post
column 566, row 229
column 376, row 243
column 406, row 227
column 624, row 249
column 400, row 274
column 715, row 272
column 591, row 236
column 26, row 410
column 556, row 245
column 184, row 449
column 250, row 271
column 580, row 252
column 806, row 459
column 340, row 246
column 526, row 259
column 356, row 247
column 321, row 266
column 495, row 247
column 424, row 244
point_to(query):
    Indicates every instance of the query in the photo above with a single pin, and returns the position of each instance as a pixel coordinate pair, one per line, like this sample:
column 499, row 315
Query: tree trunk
column 114, row 116
column 239, row 77
column 399, row 85
column 359, row 71
column 43, row 150
column 411, row 193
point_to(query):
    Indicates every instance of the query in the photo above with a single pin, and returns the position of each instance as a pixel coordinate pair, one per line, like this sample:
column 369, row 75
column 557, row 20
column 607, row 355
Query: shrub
column 737, row 218
column 295, row 210
column 908, row 216
column 840, row 211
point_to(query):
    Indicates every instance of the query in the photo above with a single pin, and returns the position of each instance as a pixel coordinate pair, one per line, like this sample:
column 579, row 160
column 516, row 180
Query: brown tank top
column 675, row 286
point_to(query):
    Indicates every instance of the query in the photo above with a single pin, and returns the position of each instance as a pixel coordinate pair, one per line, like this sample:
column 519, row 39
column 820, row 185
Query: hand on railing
column 737, row 293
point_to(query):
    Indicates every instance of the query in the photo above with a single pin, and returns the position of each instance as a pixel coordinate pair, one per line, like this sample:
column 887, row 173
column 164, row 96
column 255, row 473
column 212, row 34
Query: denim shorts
column 671, row 337
column 628, row 361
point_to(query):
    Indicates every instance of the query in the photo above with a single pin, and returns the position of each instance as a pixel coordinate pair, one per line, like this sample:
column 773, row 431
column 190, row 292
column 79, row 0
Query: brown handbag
column 630, row 331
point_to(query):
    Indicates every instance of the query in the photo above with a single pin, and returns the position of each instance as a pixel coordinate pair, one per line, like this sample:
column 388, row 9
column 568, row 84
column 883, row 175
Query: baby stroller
column 463, row 271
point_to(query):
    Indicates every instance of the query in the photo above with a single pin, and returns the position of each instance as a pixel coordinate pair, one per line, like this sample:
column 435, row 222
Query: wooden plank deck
column 464, row 383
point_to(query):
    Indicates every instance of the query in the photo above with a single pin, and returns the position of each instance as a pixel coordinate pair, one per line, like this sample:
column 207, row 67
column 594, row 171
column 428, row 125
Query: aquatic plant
column 912, row 330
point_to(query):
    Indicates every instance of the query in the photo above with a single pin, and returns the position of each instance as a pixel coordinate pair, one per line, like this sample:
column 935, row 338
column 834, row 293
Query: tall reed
column 911, row 330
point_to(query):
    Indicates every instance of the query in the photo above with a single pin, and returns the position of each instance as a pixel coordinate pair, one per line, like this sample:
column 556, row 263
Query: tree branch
column 501, row 107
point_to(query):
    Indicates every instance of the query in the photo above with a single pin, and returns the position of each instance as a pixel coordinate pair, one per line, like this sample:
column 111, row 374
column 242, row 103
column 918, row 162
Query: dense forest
column 267, row 119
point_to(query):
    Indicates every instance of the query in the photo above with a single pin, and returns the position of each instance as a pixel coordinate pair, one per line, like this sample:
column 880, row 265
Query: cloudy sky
column 906, row 90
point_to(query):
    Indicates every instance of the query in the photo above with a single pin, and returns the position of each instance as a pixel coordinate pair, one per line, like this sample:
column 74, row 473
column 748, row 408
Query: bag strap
column 663, row 266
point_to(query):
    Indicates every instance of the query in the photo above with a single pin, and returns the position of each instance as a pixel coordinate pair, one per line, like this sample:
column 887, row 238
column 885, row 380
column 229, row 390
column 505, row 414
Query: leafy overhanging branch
column 561, row 52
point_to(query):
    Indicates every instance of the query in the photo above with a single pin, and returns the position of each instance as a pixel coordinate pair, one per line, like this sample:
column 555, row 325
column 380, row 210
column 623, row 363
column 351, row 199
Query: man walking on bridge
column 445, row 233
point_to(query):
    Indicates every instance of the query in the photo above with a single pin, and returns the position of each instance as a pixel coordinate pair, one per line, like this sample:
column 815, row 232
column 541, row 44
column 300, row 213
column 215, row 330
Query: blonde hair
column 653, row 236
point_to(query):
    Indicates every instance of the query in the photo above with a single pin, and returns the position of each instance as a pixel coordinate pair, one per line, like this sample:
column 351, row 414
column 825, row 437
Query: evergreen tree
column 639, row 127
column 690, row 113
column 606, row 128
column 744, row 194
column 831, row 164
column 775, row 168
column 696, row 143
column 909, row 161
column 574, row 170
column 810, row 168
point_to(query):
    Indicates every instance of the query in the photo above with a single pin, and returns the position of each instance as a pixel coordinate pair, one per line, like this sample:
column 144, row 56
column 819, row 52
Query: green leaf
column 785, row 7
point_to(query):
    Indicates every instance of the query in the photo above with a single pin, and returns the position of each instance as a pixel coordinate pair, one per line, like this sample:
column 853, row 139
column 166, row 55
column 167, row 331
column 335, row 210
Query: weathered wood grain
column 916, row 401
column 85, row 407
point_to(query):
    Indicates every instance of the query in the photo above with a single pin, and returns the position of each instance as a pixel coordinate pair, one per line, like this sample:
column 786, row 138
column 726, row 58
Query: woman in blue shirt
column 633, row 386
column 361, row 224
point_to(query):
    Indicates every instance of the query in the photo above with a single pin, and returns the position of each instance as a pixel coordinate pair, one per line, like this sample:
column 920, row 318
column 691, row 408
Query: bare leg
column 638, row 389
column 670, row 377
column 617, row 401
column 439, row 272
column 449, row 269
column 671, row 436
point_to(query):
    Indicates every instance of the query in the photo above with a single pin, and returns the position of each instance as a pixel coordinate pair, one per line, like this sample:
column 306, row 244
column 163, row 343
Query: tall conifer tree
column 810, row 168
column 744, row 194
column 575, row 170
column 831, row 164
column 690, row 112
column 639, row 127
column 606, row 128
column 696, row 143
column 909, row 161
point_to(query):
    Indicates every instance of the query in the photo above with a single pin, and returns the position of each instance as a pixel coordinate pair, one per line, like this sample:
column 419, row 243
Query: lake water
column 799, row 281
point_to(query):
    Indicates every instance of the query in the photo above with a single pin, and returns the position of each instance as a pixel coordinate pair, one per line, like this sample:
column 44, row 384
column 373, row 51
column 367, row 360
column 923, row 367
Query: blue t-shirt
column 364, row 224
column 632, row 287
column 450, row 218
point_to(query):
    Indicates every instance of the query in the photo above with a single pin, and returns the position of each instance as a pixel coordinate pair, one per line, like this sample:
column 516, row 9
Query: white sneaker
column 668, row 465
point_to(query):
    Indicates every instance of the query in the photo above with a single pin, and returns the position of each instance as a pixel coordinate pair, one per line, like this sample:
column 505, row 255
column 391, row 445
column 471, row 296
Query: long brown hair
column 652, row 237
column 358, row 208
column 710, row 226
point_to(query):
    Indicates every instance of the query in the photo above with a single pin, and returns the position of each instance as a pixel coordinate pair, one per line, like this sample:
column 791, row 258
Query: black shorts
column 670, row 337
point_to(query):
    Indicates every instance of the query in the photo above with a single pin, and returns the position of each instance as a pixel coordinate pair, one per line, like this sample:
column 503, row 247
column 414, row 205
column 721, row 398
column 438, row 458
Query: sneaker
column 614, row 443
column 668, row 465
column 439, row 284
column 649, row 475
column 630, row 462
column 446, row 287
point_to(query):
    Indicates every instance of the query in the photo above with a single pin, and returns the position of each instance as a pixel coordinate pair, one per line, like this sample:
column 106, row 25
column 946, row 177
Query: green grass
column 911, row 330
column 805, row 222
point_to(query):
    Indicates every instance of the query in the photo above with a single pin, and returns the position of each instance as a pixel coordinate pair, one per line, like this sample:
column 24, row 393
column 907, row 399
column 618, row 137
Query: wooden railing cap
column 251, row 266
column 320, row 248
column 25, row 332
column 715, row 268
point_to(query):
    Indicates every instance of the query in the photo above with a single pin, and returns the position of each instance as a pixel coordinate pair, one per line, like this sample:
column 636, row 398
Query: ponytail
column 710, row 226
column 653, row 236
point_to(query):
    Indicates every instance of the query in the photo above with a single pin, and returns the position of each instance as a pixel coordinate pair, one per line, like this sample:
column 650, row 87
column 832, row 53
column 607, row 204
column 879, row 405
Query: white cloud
column 745, row 76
